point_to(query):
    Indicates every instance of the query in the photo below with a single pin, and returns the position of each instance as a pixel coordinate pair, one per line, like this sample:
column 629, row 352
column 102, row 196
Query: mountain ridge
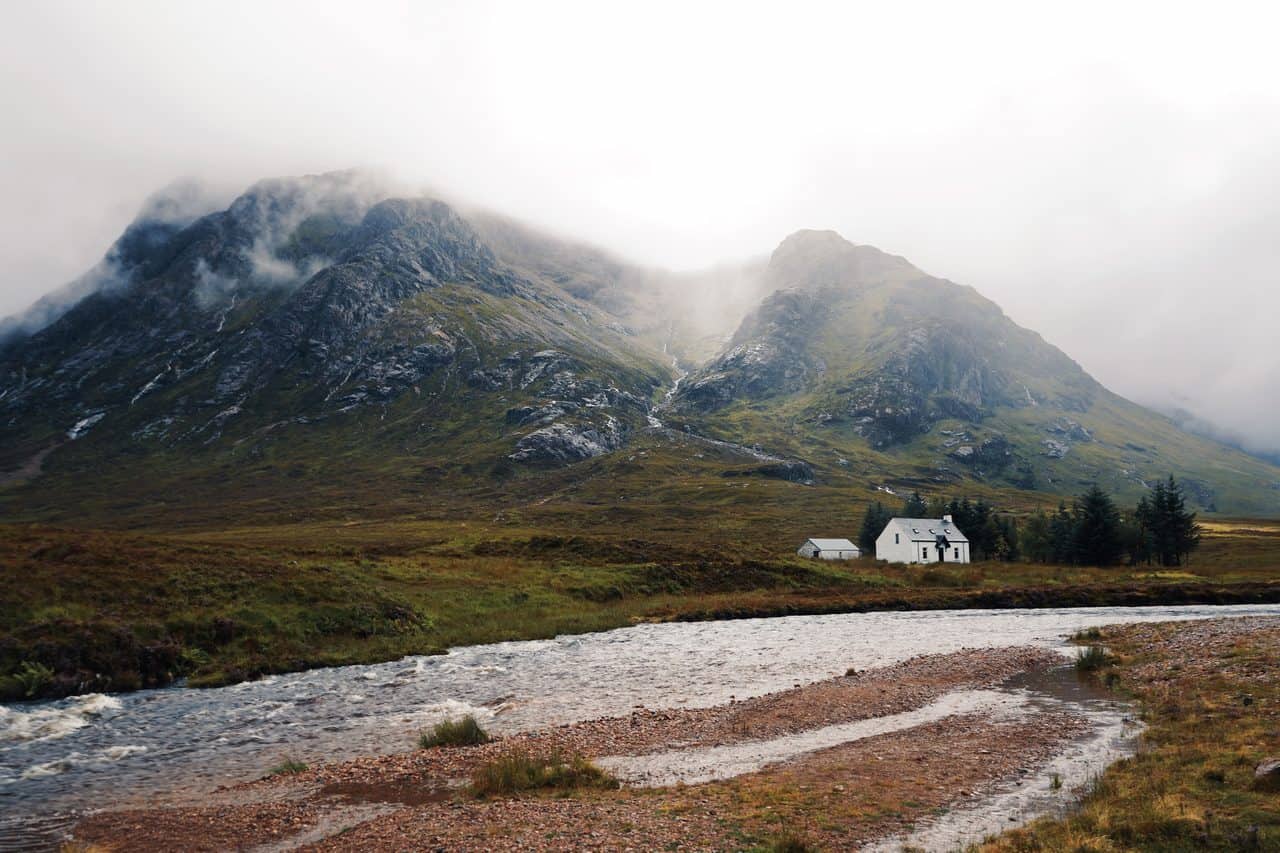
column 319, row 313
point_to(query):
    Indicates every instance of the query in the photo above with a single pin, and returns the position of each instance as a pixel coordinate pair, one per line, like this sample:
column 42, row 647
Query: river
column 58, row 759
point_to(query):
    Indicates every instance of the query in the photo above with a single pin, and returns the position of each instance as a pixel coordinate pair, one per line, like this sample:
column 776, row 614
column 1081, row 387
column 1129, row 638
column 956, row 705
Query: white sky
column 1109, row 173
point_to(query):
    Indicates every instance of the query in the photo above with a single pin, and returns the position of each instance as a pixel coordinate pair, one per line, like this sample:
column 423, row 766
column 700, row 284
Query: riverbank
column 861, row 789
column 1210, row 697
column 98, row 611
column 1208, row 692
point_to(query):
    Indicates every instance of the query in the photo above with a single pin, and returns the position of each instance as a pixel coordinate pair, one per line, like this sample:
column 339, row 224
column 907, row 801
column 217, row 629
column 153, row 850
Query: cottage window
column 925, row 552
column 957, row 553
column 895, row 539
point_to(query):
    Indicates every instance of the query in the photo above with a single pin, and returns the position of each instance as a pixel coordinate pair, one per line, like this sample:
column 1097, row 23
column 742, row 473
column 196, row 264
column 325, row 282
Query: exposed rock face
column 564, row 442
column 1069, row 430
column 1055, row 449
column 1266, row 776
column 991, row 455
column 768, row 355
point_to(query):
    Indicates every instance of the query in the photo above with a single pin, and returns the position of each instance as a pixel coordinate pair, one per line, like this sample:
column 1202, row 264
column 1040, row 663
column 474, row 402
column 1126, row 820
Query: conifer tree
column 1097, row 529
column 1183, row 531
column 915, row 506
column 874, row 522
column 1062, row 536
column 1036, row 539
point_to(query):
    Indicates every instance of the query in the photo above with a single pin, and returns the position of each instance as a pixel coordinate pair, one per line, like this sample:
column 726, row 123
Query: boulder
column 1266, row 776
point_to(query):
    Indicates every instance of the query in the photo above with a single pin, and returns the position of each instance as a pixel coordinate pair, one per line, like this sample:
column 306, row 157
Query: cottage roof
column 833, row 544
column 928, row 529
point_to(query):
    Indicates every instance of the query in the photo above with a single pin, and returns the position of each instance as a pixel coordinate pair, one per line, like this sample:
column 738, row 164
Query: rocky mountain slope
column 320, row 341
column 862, row 350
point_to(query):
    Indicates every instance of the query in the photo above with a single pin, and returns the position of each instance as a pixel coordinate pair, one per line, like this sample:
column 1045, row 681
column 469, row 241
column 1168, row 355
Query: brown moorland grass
column 115, row 610
column 1210, row 696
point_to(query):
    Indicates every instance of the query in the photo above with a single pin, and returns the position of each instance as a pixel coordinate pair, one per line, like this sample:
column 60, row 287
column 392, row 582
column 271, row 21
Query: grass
column 463, row 732
column 1211, row 713
column 791, row 842
column 112, row 610
column 287, row 767
column 516, row 771
column 1092, row 659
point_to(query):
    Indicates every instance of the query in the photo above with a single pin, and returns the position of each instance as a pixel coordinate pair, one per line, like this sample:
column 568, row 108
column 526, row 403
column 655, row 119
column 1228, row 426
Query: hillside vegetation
column 113, row 611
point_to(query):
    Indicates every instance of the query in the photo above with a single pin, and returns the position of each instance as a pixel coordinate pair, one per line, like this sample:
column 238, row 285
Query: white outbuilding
column 829, row 549
column 922, row 540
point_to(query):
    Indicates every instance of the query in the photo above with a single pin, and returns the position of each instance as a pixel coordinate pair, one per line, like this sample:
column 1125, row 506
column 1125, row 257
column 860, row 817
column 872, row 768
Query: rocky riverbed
column 857, row 790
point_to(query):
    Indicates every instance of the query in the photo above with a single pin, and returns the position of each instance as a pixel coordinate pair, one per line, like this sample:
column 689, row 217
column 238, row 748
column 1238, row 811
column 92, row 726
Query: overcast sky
column 1109, row 173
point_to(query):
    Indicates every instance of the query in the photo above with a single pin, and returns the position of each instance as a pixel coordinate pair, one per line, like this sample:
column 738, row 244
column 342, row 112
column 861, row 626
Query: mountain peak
column 813, row 259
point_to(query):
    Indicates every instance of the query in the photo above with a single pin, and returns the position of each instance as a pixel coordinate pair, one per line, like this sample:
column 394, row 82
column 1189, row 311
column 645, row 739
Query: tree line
column 1091, row 531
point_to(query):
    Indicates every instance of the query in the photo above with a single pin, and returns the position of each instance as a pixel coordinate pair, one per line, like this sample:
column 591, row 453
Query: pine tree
column 1097, row 533
column 915, row 506
column 1184, row 530
column 1140, row 535
column 1011, row 537
column 1037, row 541
column 1161, row 527
column 873, row 524
column 1062, row 536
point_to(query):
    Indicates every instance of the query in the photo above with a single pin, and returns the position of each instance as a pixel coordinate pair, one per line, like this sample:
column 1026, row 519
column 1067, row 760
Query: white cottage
column 829, row 549
column 922, row 540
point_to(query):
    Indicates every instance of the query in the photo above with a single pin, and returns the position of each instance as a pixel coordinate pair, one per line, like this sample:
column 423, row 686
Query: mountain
column 863, row 351
column 320, row 346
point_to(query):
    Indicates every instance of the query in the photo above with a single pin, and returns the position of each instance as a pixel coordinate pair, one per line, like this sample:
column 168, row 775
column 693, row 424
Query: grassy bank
column 1211, row 701
column 85, row 610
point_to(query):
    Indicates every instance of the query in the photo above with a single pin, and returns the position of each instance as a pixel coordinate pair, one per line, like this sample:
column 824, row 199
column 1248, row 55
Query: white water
column 670, row 395
column 197, row 739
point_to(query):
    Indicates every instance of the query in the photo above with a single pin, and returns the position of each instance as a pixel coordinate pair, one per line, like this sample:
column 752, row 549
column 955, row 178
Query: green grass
column 287, row 767
column 516, row 771
column 463, row 732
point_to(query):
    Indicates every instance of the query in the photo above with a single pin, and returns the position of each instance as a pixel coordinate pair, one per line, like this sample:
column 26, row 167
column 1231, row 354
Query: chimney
column 946, row 519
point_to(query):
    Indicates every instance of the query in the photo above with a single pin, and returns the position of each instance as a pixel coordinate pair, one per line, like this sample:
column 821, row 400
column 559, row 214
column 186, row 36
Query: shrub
column 33, row 678
column 464, row 732
column 1092, row 659
column 517, row 770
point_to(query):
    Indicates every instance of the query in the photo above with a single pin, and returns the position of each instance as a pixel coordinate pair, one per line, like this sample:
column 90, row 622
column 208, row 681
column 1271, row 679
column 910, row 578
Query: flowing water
column 60, row 758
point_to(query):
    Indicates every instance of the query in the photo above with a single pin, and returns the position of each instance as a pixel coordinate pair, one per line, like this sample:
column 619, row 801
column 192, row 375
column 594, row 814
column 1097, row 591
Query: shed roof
column 929, row 529
column 833, row 544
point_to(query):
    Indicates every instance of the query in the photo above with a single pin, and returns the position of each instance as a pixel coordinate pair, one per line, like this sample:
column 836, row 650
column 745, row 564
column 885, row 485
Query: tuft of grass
column 1055, row 782
column 463, row 732
column 1093, row 658
column 517, row 770
column 287, row 767
column 1087, row 635
column 791, row 842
